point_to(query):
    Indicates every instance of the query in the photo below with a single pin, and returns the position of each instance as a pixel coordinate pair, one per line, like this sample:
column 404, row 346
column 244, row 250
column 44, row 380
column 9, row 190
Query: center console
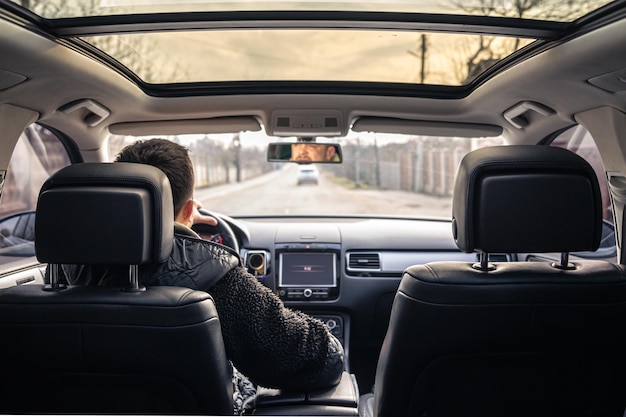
column 307, row 271
column 339, row 400
column 305, row 275
column 303, row 268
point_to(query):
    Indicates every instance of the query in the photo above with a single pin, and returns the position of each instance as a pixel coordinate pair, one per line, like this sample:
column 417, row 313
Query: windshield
column 381, row 174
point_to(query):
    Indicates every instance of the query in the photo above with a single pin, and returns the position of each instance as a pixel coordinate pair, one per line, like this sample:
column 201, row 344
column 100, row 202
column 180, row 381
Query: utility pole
column 421, row 55
column 377, row 161
column 423, row 60
column 237, row 147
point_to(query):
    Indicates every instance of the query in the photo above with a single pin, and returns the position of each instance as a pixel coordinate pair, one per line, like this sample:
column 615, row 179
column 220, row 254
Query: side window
column 577, row 139
column 37, row 154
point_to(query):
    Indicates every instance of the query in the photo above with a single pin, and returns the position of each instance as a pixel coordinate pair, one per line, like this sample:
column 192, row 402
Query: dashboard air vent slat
column 364, row 261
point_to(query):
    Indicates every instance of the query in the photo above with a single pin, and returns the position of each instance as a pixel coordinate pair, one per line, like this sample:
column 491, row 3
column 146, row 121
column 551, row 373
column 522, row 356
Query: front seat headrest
column 526, row 198
column 105, row 213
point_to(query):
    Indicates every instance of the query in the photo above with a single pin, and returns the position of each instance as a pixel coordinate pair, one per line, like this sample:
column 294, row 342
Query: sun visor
column 424, row 127
column 231, row 124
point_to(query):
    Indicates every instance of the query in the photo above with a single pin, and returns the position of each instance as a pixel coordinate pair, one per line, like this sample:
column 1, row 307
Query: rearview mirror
column 304, row 152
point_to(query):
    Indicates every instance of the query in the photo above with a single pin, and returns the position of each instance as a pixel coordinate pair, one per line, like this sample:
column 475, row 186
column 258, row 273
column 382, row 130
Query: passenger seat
column 518, row 338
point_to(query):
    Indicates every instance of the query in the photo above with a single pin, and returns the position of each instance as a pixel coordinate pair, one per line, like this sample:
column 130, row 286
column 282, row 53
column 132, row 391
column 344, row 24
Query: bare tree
column 136, row 52
column 61, row 8
column 558, row 10
column 486, row 50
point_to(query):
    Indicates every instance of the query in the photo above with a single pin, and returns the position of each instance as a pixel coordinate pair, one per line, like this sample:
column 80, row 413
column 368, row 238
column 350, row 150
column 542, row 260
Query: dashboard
column 327, row 253
column 343, row 270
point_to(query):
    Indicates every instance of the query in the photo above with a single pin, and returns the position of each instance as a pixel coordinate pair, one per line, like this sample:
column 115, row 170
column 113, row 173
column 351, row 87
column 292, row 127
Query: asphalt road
column 278, row 193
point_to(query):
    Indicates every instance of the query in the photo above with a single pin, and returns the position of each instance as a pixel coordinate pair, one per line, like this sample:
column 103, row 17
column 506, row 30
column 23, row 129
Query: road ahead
column 278, row 193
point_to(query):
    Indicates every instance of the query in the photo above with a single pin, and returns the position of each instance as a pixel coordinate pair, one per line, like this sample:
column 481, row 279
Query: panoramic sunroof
column 418, row 42
column 307, row 55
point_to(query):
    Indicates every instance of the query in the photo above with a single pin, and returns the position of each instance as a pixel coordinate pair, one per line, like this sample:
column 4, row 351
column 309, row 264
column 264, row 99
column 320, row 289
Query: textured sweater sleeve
column 274, row 346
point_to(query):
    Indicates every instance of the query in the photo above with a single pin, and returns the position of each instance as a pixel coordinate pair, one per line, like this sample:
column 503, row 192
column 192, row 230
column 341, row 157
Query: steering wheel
column 221, row 233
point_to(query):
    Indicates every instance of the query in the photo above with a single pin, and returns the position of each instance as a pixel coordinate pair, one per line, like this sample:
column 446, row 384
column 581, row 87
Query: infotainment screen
column 307, row 269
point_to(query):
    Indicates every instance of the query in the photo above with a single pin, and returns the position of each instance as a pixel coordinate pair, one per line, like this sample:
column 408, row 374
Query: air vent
column 364, row 261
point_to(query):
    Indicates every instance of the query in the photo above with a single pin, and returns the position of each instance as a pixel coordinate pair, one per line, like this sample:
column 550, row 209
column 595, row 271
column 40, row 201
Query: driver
column 313, row 152
column 273, row 346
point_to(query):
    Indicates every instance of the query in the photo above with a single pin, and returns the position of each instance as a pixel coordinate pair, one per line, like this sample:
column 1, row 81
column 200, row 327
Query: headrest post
column 54, row 284
column 484, row 264
column 565, row 263
column 133, row 276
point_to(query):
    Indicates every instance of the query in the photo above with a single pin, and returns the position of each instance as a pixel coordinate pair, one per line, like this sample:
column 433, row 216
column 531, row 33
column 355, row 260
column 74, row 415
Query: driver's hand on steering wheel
column 198, row 217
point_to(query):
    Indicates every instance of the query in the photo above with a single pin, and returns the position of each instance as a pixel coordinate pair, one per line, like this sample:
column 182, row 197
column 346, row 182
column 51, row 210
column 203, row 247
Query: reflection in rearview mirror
column 304, row 152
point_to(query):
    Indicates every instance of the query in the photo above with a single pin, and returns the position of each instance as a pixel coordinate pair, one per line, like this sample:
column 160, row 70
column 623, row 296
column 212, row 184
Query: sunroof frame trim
column 485, row 25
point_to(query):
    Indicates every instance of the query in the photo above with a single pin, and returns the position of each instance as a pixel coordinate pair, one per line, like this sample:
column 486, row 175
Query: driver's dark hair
column 171, row 158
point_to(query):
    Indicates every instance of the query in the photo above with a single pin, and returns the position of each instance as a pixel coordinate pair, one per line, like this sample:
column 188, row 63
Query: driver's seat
column 109, row 350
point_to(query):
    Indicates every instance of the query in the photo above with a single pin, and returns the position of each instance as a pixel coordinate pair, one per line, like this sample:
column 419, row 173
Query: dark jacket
column 274, row 346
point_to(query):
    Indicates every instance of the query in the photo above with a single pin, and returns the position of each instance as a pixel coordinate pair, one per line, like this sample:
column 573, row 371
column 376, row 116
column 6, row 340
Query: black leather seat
column 110, row 350
column 516, row 338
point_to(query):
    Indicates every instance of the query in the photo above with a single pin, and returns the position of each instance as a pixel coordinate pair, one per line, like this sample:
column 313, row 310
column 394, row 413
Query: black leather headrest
column 105, row 213
column 526, row 199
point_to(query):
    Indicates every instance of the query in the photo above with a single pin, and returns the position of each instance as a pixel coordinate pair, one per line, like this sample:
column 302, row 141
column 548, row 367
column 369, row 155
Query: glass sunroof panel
column 306, row 55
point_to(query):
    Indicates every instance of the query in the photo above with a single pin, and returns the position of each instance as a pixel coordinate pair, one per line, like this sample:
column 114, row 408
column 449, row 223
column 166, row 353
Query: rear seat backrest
column 110, row 350
column 519, row 338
